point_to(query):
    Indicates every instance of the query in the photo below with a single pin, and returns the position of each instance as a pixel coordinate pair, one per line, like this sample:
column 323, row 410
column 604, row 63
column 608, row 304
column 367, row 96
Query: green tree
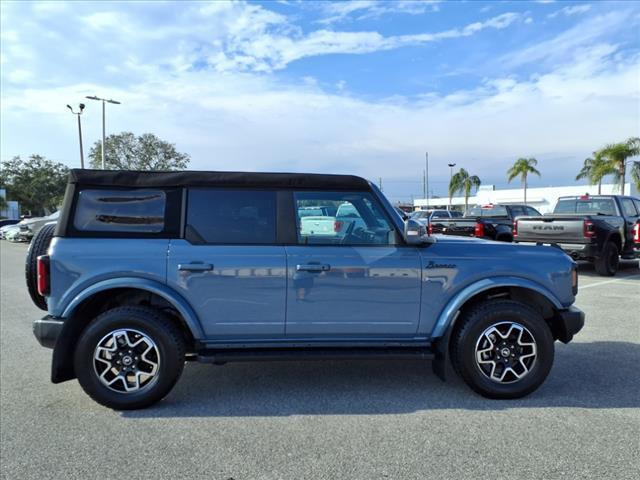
column 616, row 156
column 463, row 182
column 594, row 169
column 37, row 184
column 125, row 151
column 522, row 168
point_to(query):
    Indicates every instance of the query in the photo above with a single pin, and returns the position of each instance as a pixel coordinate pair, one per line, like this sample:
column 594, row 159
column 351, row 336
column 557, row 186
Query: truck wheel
column 502, row 349
column 607, row 263
column 39, row 246
column 129, row 357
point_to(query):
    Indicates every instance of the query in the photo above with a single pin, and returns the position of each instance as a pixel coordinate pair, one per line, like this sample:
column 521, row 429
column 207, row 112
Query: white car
column 4, row 231
column 31, row 226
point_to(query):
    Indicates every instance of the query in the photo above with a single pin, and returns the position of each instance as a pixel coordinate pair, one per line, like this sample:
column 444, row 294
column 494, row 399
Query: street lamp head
column 451, row 164
column 69, row 107
column 81, row 107
column 113, row 101
column 92, row 97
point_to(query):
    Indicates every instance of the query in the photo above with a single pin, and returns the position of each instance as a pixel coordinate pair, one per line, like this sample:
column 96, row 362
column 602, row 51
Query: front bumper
column 567, row 323
column 47, row 330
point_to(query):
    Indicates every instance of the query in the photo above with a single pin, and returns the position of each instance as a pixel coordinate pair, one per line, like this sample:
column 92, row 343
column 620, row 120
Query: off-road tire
column 470, row 328
column 39, row 246
column 608, row 262
column 155, row 325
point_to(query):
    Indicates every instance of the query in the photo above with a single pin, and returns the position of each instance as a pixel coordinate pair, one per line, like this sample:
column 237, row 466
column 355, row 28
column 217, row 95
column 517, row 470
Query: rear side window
column 532, row 212
column 517, row 211
column 231, row 216
column 628, row 207
column 120, row 211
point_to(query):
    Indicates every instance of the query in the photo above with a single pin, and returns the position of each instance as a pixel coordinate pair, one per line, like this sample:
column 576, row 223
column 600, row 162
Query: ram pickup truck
column 147, row 270
column 597, row 228
column 491, row 222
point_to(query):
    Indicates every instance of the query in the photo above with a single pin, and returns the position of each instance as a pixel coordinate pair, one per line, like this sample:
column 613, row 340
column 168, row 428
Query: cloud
column 274, row 51
column 571, row 10
column 342, row 11
column 563, row 47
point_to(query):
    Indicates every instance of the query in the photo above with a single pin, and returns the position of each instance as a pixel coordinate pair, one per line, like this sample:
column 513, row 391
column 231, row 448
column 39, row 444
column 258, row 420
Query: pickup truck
column 597, row 228
column 492, row 222
column 146, row 270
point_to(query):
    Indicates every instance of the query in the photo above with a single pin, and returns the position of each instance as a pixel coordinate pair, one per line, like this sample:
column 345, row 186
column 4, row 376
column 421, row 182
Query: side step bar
column 277, row 354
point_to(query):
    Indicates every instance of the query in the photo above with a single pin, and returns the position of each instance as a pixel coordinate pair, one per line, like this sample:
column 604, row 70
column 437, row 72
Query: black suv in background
column 491, row 222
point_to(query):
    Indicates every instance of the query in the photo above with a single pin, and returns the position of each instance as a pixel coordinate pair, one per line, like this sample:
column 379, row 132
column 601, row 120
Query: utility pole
column 426, row 176
column 451, row 165
column 103, row 100
column 380, row 182
column 77, row 114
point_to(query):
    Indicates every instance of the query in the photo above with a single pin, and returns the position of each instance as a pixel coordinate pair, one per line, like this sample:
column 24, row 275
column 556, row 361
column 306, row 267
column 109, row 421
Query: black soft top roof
column 132, row 178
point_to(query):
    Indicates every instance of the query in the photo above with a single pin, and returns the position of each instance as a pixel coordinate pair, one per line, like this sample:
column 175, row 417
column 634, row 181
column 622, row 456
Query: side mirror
column 415, row 233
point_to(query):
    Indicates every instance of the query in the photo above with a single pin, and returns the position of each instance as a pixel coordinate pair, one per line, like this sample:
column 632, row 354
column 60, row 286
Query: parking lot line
column 615, row 280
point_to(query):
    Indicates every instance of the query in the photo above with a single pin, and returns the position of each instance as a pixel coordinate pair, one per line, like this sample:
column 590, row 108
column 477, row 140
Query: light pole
column 426, row 177
column 77, row 114
column 103, row 100
column 451, row 165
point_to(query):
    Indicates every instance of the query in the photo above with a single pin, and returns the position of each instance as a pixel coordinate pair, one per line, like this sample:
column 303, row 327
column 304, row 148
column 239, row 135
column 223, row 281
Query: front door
column 356, row 281
column 229, row 267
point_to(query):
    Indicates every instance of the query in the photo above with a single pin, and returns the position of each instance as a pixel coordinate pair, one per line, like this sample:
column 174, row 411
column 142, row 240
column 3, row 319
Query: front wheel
column 129, row 357
column 502, row 349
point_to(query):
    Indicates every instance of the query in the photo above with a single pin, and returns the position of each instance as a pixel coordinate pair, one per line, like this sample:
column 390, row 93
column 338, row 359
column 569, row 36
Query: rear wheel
column 502, row 349
column 129, row 357
column 607, row 264
column 39, row 246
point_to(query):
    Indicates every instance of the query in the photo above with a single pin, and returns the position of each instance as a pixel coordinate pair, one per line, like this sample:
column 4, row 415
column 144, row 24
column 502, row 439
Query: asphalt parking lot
column 334, row 420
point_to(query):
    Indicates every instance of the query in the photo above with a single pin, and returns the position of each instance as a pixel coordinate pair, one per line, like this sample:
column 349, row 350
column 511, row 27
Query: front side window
column 120, row 211
column 358, row 220
column 231, row 216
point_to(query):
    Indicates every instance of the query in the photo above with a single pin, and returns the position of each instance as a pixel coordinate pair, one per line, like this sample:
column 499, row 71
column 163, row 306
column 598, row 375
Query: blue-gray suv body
column 148, row 269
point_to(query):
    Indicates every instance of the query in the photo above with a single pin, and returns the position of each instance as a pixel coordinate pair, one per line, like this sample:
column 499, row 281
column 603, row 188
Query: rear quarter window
column 120, row 211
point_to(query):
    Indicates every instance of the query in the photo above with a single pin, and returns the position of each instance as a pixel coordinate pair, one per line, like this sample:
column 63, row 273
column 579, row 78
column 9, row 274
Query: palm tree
column 635, row 174
column 463, row 182
column 616, row 155
column 595, row 169
column 522, row 168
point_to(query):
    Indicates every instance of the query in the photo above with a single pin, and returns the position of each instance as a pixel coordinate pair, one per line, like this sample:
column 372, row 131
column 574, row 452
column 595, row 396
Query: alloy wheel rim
column 126, row 361
column 506, row 352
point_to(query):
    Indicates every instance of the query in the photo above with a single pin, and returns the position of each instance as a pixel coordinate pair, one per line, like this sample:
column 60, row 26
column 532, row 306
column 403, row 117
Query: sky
column 358, row 87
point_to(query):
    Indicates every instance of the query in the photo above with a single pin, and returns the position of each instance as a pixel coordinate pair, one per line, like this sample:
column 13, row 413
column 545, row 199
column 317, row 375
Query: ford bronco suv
column 147, row 270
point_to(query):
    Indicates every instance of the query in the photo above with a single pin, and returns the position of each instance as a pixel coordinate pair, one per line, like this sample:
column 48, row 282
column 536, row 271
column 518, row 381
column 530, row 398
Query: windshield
column 488, row 211
column 587, row 206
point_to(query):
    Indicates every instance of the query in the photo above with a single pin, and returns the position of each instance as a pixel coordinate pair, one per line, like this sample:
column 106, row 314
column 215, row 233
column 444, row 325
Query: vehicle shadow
column 597, row 375
column 626, row 268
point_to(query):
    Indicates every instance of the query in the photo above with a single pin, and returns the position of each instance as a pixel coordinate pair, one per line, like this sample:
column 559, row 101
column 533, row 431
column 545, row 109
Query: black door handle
column 195, row 267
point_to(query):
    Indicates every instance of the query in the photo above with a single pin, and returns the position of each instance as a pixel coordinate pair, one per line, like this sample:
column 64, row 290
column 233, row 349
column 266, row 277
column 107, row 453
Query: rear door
column 631, row 216
column 359, row 282
column 229, row 266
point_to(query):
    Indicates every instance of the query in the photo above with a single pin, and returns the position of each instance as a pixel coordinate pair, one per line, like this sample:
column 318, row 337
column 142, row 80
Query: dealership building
column 542, row 199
